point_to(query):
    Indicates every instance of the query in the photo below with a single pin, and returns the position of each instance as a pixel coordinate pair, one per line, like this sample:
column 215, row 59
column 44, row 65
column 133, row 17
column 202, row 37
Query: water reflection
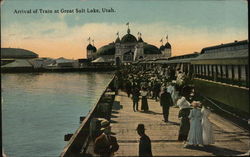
column 39, row 109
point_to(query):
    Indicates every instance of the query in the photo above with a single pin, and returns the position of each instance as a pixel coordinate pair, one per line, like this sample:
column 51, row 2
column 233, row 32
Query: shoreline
column 32, row 70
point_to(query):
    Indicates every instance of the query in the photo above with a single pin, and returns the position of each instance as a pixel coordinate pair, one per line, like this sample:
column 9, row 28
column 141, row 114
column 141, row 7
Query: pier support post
column 67, row 137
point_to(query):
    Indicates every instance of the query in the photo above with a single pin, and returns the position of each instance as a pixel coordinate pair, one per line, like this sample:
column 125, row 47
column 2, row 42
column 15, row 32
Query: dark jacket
column 145, row 146
column 135, row 94
column 166, row 100
column 105, row 145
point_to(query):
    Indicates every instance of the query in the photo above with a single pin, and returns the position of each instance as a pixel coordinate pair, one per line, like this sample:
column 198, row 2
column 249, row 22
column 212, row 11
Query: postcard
column 74, row 72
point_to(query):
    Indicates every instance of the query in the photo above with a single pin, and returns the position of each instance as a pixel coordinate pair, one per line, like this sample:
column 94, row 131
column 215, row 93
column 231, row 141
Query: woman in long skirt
column 185, row 124
column 144, row 101
column 207, row 130
column 195, row 132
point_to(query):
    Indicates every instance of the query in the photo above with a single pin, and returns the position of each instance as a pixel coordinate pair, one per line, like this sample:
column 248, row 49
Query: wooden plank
column 229, row 139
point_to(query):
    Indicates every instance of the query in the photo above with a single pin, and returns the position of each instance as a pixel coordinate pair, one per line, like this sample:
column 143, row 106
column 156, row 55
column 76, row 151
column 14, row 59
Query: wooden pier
column 230, row 140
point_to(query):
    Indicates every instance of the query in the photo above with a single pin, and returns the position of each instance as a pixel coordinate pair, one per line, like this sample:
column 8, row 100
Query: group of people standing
column 195, row 127
column 168, row 87
column 148, row 83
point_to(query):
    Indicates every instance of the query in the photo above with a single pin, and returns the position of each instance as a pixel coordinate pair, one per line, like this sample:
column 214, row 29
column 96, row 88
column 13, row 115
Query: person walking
column 144, row 101
column 105, row 145
column 184, row 124
column 128, row 87
column 145, row 142
column 135, row 98
column 195, row 132
column 207, row 129
column 165, row 101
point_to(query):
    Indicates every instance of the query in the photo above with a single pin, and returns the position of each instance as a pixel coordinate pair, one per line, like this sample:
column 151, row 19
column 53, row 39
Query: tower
column 91, row 49
column 139, row 51
column 167, row 50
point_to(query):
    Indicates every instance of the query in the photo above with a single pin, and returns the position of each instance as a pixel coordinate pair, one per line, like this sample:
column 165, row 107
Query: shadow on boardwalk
column 217, row 151
column 117, row 105
column 151, row 112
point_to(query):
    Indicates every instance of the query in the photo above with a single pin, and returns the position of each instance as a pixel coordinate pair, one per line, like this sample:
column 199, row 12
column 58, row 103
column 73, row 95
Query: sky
column 55, row 29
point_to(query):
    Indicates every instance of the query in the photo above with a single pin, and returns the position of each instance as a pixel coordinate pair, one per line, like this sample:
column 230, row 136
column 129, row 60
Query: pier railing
column 80, row 139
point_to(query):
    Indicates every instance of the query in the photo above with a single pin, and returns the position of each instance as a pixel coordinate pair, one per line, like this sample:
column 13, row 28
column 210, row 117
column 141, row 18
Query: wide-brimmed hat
column 140, row 127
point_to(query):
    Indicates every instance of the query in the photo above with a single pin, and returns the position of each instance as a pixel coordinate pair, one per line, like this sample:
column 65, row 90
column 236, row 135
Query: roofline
column 225, row 45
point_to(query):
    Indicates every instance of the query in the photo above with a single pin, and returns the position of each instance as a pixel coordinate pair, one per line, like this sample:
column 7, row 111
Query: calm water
column 39, row 109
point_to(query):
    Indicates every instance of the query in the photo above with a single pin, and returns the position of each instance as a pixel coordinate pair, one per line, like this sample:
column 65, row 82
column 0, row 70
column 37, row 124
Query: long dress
column 207, row 129
column 185, row 124
column 144, row 101
column 195, row 132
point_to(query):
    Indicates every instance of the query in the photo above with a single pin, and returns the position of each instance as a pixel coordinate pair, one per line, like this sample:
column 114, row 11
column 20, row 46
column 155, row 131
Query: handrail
column 73, row 143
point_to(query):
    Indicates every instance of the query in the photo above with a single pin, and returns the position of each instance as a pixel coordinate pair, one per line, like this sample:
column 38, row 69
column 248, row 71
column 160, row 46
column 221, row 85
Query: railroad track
column 233, row 118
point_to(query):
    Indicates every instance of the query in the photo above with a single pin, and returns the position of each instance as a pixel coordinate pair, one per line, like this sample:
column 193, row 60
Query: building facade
column 128, row 49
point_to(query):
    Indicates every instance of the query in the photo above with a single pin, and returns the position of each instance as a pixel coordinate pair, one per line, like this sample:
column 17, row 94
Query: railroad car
column 221, row 73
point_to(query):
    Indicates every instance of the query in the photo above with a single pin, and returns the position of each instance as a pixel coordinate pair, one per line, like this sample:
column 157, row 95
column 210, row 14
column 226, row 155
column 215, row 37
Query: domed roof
column 162, row 47
column 107, row 50
column 94, row 49
column 117, row 40
column 140, row 39
column 151, row 49
column 89, row 47
column 167, row 45
column 17, row 53
column 128, row 38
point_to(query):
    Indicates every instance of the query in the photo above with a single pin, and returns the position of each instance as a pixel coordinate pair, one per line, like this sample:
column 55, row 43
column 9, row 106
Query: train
column 219, row 72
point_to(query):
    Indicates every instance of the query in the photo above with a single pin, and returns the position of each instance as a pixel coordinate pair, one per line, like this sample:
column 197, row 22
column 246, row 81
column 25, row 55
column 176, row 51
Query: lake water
column 39, row 109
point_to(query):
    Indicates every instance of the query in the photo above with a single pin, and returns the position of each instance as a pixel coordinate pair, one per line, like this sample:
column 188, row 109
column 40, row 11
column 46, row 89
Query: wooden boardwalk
column 229, row 139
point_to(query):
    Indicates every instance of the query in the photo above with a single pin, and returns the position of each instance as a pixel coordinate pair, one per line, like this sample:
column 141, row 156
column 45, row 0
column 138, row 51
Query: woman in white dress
column 195, row 132
column 207, row 129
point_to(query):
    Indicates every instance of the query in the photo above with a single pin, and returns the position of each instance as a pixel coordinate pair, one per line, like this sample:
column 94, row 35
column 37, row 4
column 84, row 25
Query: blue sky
column 190, row 24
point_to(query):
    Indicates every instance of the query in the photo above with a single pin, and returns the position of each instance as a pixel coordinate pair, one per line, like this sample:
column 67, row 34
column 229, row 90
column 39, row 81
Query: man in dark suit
column 105, row 144
column 135, row 98
column 166, row 101
column 145, row 142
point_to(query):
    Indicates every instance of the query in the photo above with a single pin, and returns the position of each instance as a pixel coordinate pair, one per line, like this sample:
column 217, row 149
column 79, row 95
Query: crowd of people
column 170, row 87
column 149, row 83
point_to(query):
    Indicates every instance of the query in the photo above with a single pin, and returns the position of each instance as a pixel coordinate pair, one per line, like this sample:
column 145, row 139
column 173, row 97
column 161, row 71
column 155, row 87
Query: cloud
column 27, row 37
column 56, row 39
column 48, row 31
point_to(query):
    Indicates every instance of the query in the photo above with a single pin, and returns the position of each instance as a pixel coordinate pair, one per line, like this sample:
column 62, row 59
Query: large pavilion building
column 128, row 49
